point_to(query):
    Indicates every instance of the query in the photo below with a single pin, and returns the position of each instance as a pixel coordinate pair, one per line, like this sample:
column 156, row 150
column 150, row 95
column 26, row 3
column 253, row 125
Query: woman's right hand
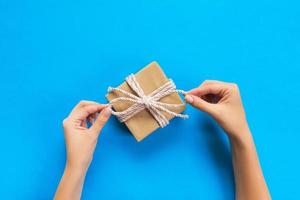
column 222, row 101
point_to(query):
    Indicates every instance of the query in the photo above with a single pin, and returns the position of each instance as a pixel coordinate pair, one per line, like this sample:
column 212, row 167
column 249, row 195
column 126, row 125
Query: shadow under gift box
column 143, row 123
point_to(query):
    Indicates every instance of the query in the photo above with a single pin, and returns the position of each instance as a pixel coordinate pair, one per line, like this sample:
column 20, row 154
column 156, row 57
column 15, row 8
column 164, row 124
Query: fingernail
column 189, row 99
column 107, row 111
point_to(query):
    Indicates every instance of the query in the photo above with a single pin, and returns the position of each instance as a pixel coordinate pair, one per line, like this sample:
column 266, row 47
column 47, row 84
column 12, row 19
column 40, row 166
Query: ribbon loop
column 149, row 102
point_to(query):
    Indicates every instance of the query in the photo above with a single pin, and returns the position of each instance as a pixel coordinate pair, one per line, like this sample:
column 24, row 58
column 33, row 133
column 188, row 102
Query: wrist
column 75, row 169
column 243, row 139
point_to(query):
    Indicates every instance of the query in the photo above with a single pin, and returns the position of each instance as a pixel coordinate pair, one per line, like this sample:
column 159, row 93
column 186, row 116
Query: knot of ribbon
column 150, row 102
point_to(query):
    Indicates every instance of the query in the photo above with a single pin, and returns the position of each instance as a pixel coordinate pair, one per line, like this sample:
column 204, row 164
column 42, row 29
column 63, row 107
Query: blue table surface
column 56, row 53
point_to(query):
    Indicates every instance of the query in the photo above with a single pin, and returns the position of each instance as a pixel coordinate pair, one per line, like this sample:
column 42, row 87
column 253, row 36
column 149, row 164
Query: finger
column 84, row 123
column 83, row 112
column 92, row 118
column 208, row 89
column 101, row 120
column 199, row 103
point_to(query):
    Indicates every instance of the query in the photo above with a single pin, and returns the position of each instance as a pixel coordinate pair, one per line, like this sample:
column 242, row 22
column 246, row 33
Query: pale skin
column 220, row 100
column 81, row 142
column 223, row 102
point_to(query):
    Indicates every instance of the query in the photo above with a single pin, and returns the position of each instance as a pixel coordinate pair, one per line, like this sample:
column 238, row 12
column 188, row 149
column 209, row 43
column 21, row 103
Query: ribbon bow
column 150, row 102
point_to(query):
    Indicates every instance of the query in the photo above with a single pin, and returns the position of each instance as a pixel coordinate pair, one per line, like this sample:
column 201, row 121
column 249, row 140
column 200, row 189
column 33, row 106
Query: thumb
column 101, row 120
column 199, row 103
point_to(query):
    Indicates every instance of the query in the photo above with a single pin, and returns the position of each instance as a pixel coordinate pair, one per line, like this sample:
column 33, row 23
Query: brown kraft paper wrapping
column 150, row 78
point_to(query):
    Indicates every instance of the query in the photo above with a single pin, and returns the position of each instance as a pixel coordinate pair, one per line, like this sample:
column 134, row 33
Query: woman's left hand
column 81, row 140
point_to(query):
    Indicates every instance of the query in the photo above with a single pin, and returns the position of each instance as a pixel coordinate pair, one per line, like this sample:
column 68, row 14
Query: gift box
column 143, row 123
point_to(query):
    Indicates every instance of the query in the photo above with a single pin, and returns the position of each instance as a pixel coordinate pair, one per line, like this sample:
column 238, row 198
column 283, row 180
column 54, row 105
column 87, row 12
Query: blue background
column 55, row 53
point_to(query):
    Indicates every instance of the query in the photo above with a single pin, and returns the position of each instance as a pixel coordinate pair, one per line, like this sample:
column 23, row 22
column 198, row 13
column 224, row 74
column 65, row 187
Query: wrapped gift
column 146, row 101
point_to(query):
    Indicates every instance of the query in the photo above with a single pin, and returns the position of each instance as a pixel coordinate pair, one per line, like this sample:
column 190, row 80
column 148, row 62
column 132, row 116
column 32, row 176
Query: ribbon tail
column 171, row 112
